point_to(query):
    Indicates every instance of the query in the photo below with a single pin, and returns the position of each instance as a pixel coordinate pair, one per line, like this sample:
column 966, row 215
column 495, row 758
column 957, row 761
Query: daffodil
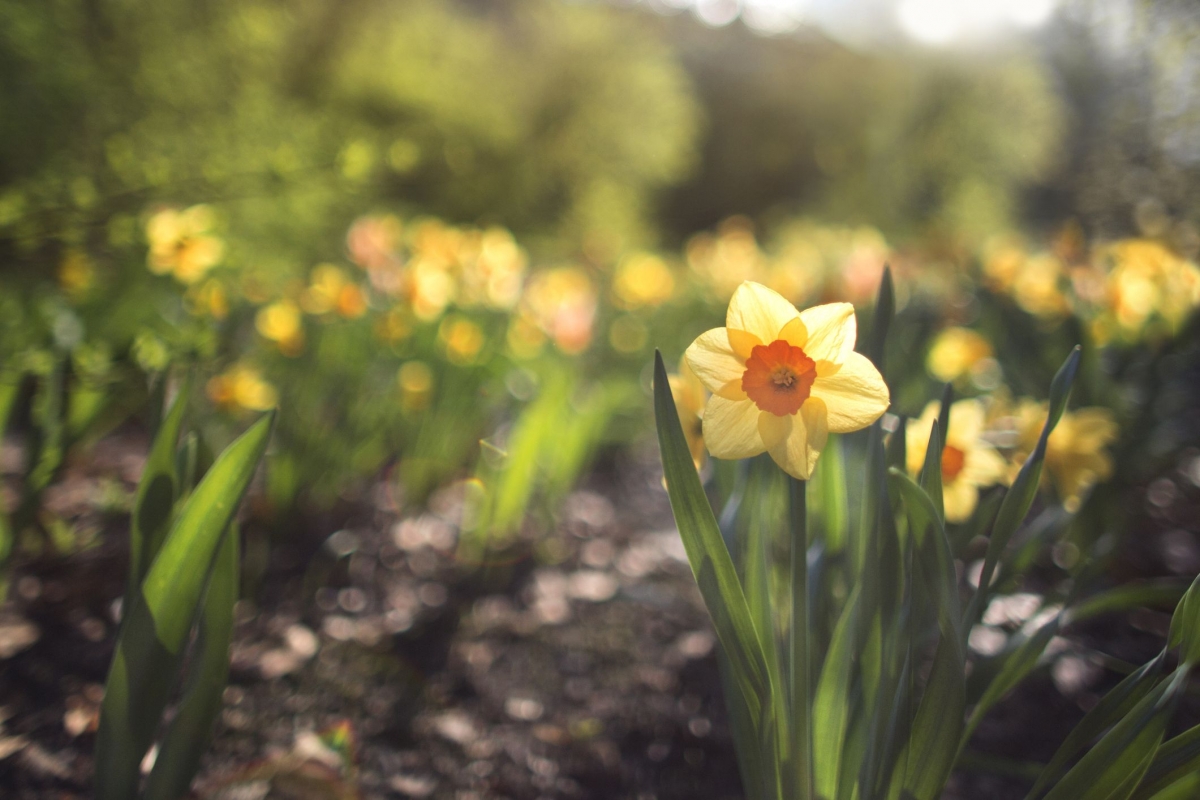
column 1076, row 456
column 968, row 461
column 689, row 396
column 956, row 353
column 783, row 379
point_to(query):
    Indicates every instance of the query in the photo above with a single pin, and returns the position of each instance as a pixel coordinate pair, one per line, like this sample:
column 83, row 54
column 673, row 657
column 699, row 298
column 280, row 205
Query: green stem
column 798, row 665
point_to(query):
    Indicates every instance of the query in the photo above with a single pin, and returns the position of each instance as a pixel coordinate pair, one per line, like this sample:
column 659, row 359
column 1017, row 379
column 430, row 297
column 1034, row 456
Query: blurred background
column 446, row 236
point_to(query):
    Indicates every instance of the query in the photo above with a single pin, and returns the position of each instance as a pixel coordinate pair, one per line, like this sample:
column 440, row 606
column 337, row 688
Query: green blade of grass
column 713, row 568
column 190, row 730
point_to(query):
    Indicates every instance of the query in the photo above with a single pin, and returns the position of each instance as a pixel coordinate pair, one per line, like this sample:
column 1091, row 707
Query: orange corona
column 778, row 377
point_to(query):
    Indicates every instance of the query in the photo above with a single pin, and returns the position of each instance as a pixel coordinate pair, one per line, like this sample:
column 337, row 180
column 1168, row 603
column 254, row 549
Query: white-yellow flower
column 968, row 461
column 782, row 379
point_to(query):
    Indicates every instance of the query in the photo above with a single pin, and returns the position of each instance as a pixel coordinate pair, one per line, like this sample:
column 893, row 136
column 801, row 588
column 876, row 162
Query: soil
column 580, row 664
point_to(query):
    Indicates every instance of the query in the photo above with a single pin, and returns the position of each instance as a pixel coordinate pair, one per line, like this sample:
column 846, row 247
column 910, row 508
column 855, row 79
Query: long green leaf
column 1126, row 751
column 1175, row 761
column 1017, row 665
column 831, row 705
column 1185, row 625
column 189, row 732
column 1115, row 705
column 156, row 493
column 885, row 312
column 932, row 747
column 713, row 568
column 159, row 617
column 10, row 385
column 1019, row 498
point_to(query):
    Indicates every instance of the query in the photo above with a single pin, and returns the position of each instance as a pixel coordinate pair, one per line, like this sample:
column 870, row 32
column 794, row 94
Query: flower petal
column 758, row 310
column 832, row 331
column 794, row 333
column 959, row 498
column 773, row 428
column 716, row 365
column 797, row 454
column 966, row 424
column 742, row 343
column 731, row 428
column 855, row 395
column 982, row 465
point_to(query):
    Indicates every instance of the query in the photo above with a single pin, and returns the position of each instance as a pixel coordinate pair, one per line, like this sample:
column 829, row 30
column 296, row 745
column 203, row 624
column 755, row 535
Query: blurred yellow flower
column 431, row 288
column 462, row 339
column 1038, row 286
column 782, row 379
column 968, row 461
column 493, row 269
column 1149, row 280
column 330, row 290
column 642, row 280
column 1003, row 257
column 281, row 323
column 1076, row 456
column 415, row 379
column 727, row 259
column 208, row 299
column 394, row 326
column 956, row 353
column 373, row 243
column 76, row 273
column 690, row 397
column 242, row 386
column 562, row 303
column 181, row 245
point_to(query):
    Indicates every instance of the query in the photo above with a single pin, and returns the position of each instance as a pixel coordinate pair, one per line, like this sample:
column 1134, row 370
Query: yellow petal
column 731, row 428
column 773, row 429
column 982, row 465
column 760, row 311
column 959, row 498
column 855, row 395
column 966, row 423
column 807, row 434
column 716, row 365
column 741, row 342
column 794, row 333
column 832, row 331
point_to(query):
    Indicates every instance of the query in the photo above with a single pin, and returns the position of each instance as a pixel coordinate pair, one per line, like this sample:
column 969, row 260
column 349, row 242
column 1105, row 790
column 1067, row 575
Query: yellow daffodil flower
column 690, row 396
column 1076, row 458
column 783, row 379
column 968, row 461
column 242, row 386
column 956, row 353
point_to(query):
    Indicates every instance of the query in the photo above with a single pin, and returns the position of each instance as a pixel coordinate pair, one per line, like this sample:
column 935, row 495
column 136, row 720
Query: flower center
column 778, row 377
column 953, row 460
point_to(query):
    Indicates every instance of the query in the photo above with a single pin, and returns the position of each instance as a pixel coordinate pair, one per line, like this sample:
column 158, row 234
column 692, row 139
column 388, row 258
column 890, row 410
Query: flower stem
column 800, row 736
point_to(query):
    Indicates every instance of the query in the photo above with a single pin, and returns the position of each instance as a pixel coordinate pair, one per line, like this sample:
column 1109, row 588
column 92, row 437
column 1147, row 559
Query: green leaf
column 1175, row 762
column 1019, row 498
column 1185, row 625
column 1165, row 592
column 885, row 312
column 831, row 705
column 1115, row 705
column 932, row 746
column 1186, row 788
column 190, row 730
column 159, row 617
column 173, row 584
column 713, row 568
column 10, row 386
column 830, row 482
column 156, row 493
column 1112, row 769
